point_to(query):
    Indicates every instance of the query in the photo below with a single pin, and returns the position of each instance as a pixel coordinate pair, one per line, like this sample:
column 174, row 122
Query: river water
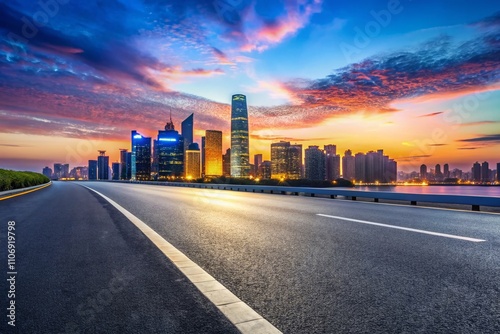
column 487, row 191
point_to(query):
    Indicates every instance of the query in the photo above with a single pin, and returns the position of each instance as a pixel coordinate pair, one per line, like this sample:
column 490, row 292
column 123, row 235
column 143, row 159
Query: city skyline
column 375, row 74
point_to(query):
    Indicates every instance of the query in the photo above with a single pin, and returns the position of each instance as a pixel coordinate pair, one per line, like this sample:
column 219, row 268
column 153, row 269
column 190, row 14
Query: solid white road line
column 235, row 310
column 404, row 228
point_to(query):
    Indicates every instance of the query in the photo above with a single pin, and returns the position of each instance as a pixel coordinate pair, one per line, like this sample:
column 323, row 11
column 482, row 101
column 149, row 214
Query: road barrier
column 474, row 201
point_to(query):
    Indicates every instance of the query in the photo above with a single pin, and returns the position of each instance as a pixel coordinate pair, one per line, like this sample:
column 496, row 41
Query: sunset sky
column 419, row 79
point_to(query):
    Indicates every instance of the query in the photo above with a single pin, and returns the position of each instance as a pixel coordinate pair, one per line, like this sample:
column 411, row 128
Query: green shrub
column 10, row 179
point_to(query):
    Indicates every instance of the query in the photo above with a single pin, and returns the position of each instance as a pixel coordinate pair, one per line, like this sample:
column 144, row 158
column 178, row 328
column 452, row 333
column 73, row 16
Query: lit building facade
column 141, row 157
column 286, row 160
column 314, row 163
column 193, row 162
column 265, row 168
column 279, row 160
column 240, row 164
column 213, row 153
column 170, row 153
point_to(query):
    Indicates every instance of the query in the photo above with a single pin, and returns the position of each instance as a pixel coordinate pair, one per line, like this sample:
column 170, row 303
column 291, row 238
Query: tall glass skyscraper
column 187, row 131
column 240, row 164
column 170, row 153
column 102, row 166
column 141, row 157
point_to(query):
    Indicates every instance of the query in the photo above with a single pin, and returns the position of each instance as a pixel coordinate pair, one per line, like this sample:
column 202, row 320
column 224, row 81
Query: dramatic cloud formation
column 483, row 139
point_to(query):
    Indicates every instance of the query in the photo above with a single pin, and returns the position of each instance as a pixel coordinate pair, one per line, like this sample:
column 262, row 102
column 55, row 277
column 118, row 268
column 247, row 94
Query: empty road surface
column 307, row 265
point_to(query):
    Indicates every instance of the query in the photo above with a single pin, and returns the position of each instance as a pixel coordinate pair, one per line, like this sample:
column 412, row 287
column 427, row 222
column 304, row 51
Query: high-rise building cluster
column 479, row 173
column 173, row 155
column 325, row 164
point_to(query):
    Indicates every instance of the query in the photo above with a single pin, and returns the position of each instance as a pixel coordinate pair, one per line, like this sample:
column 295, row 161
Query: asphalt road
column 82, row 267
column 304, row 273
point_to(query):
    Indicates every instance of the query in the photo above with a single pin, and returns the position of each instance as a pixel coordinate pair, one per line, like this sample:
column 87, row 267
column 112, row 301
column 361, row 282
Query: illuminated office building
column 213, row 153
column 141, row 157
column 286, row 160
column 192, row 164
column 170, row 152
column 279, row 160
column 315, row 163
column 240, row 164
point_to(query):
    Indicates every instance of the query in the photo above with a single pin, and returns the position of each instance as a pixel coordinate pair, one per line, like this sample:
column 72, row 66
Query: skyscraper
column 240, row 164
column 65, row 172
column 203, row 156
column 279, row 160
column 129, row 166
column 295, row 161
column 102, row 166
column 92, row 169
column 115, row 167
column 370, row 167
column 446, row 171
column 360, row 167
column 123, row 164
column 226, row 163
column 141, row 157
column 423, row 172
column 315, row 163
column 193, row 162
column 257, row 160
column 476, row 172
column 348, row 166
column 438, row 173
column 213, row 153
column 47, row 171
column 187, row 131
column 170, row 151
column 498, row 171
column 391, row 171
column 266, row 169
column 58, row 170
column 332, row 163
column 485, row 172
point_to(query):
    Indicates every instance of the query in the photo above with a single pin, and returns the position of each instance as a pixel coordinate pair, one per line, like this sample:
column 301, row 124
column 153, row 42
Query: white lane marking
column 404, row 228
column 236, row 311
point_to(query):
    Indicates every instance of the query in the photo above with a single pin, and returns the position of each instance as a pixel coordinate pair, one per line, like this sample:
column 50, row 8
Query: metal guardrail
column 474, row 201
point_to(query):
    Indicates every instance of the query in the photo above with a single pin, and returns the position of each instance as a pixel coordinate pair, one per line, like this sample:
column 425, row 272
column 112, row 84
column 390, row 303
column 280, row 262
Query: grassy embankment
column 10, row 179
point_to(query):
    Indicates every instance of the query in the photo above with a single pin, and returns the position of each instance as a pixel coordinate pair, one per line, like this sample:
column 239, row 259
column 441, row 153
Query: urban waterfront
column 438, row 189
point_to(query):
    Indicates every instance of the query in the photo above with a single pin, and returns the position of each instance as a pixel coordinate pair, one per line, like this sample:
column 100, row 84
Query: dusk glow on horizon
column 418, row 79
